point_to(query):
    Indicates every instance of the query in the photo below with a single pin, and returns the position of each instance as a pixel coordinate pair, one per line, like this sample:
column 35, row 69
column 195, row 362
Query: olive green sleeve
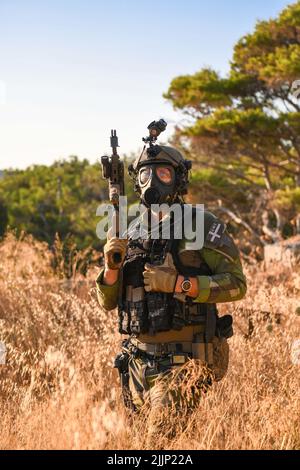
column 107, row 295
column 226, row 284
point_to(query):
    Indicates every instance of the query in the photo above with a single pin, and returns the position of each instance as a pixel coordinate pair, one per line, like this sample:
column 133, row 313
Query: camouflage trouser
column 153, row 395
column 158, row 382
column 160, row 390
column 149, row 383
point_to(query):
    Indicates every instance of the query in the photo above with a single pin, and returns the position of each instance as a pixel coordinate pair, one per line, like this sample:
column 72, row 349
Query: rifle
column 113, row 171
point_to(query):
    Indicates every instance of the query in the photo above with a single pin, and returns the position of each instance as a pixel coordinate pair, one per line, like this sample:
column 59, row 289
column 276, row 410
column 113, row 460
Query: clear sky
column 70, row 70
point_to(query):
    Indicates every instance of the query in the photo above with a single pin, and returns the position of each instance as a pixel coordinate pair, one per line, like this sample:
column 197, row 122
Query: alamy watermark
column 2, row 353
column 175, row 221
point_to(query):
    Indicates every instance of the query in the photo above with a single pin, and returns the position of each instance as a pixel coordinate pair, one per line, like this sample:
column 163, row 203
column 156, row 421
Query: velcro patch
column 218, row 239
column 215, row 234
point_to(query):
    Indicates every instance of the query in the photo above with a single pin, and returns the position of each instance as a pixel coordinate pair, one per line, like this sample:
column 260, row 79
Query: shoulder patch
column 219, row 240
column 215, row 234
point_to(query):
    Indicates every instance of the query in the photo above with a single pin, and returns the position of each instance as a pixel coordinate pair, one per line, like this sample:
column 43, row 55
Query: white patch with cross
column 216, row 232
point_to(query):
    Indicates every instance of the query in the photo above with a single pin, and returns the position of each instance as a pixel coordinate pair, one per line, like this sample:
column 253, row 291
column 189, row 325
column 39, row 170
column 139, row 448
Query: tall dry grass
column 58, row 389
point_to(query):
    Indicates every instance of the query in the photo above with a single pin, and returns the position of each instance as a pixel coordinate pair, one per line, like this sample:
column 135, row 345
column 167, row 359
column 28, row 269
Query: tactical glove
column 115, row 246
column 161, row 278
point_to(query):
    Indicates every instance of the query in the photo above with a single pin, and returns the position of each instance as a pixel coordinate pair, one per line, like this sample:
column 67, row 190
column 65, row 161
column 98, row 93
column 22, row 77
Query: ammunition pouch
column 133, row 318
column 201, row 350
column 159, row 312
column 211, row 347
column 162, row 312
column 214, row 354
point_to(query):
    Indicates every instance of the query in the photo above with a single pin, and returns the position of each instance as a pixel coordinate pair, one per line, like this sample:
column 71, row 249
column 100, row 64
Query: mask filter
column 151, row 196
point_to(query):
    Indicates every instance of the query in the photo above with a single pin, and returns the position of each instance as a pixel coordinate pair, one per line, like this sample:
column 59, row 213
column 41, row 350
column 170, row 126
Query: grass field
column 58, row 389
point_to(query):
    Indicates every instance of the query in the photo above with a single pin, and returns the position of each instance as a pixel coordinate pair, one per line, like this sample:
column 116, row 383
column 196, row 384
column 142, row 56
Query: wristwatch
column 186, row 284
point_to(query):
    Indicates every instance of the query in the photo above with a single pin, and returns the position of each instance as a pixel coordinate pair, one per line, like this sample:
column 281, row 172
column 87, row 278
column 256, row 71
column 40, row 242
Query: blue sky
column 71, row 70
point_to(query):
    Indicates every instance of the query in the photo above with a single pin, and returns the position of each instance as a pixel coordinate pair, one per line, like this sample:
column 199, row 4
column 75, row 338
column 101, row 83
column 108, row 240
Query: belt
column 160, row 349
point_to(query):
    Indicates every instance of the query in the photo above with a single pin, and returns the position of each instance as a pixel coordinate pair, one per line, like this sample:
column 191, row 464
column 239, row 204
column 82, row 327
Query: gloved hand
column 161, row 278
column 111, row 248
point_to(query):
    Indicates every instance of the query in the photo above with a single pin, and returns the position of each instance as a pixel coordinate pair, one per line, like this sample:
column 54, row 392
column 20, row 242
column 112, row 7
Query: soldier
column 167, row 293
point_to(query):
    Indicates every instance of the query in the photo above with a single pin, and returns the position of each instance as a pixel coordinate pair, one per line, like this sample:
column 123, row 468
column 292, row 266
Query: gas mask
column 157, row 184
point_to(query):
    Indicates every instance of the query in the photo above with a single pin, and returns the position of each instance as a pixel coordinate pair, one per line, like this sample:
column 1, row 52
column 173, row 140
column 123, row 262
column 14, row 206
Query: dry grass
column 58, row 389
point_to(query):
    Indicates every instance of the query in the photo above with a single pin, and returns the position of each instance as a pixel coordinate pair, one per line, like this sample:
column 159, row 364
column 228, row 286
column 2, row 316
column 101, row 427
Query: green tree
column 244, row 128
column 58, row 199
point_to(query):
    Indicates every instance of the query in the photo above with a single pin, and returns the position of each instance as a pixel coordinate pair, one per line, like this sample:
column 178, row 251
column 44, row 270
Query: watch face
column 186, row 285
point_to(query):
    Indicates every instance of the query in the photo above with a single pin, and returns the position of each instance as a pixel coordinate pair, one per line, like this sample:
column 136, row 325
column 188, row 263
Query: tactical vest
column 142, row 312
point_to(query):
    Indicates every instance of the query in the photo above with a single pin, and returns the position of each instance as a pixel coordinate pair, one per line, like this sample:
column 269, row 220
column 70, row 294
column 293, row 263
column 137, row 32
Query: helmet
column 159, row 154
column 155, row 191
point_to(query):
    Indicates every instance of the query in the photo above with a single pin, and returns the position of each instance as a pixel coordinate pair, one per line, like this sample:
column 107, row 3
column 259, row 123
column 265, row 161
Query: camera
column 155, row 129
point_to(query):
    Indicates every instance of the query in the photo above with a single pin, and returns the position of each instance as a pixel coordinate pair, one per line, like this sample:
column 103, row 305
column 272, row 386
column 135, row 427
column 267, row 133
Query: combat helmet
column 158, row 155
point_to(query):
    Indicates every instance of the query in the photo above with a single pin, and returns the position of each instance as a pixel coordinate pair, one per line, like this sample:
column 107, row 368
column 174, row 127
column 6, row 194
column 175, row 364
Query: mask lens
column 144, row 175
column 164, row 174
